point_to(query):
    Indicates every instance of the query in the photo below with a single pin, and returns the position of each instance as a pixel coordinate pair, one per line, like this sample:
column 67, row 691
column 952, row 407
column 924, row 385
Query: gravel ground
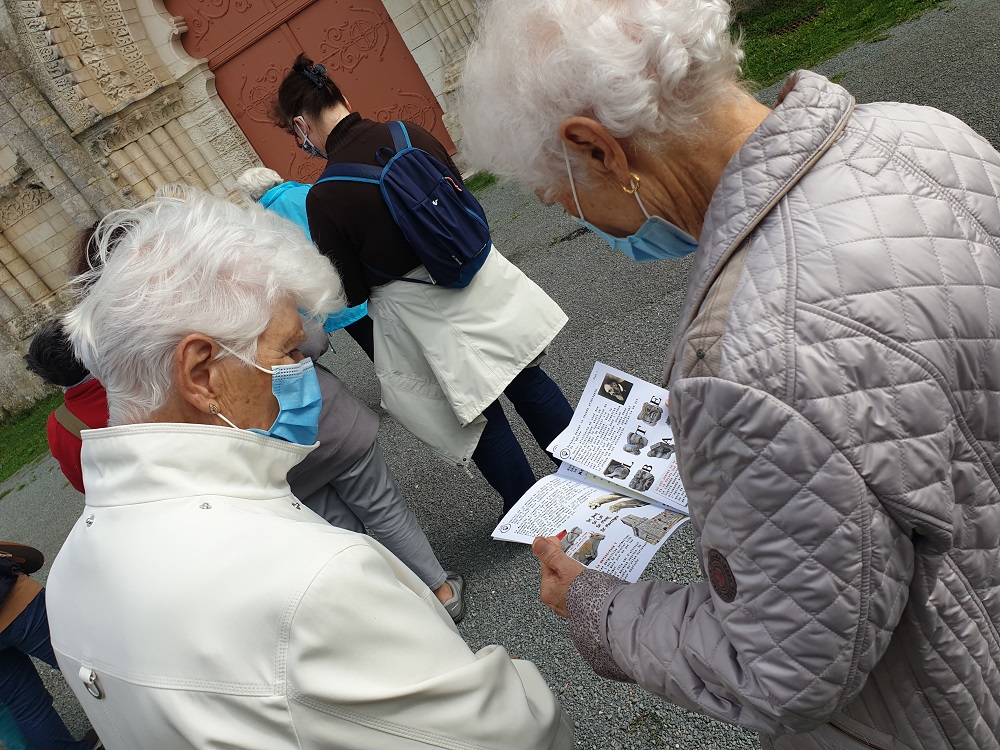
column 622, row 314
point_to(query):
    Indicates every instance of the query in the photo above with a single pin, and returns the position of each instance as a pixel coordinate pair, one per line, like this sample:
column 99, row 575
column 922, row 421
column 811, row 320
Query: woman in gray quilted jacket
column 834, row 378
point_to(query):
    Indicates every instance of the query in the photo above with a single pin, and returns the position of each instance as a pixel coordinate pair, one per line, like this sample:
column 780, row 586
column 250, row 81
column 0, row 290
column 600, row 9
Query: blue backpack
column 443, row 222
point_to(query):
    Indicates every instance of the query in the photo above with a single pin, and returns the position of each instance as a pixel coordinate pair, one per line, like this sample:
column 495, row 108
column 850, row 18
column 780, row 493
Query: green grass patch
column 22, row 438
column 480, row 181
column 784, row 35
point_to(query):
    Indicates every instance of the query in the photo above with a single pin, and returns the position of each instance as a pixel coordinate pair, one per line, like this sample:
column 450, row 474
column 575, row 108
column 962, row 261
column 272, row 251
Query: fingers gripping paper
column 618, row 496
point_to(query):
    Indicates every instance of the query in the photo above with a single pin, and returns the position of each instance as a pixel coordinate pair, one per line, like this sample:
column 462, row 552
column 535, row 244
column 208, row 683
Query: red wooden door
column 251, row 44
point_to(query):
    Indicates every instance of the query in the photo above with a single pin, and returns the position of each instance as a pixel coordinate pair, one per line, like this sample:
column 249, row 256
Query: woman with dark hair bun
column 443, row 356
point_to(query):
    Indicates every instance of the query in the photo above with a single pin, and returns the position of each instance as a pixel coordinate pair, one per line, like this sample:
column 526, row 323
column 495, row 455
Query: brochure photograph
column 620, row 432
column 618, row 495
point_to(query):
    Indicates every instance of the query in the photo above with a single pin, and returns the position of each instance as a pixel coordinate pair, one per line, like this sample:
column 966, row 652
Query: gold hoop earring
column 633, row 185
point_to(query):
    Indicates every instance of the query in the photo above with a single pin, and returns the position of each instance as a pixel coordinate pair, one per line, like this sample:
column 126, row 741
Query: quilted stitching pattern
column 845, row 459
column 805, row 592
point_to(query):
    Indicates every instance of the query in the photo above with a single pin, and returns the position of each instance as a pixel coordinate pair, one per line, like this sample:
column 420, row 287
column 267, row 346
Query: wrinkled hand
column 558, row 572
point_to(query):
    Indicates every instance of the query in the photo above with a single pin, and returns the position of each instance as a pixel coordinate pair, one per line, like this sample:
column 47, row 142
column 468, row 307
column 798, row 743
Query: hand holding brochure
column 618, row 495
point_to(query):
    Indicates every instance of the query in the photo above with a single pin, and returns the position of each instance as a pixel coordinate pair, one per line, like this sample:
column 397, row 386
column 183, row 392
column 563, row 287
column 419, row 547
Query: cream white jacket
column 197, row 604
column 443, row 355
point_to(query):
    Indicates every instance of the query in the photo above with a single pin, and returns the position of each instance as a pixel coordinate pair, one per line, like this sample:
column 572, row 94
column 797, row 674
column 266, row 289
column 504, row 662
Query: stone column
column 14, row 297
column 43, row 141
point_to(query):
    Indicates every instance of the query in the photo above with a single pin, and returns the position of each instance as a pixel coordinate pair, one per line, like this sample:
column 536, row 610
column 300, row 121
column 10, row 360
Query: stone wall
column 91, row 119
column 99, row 106
column 437, row 32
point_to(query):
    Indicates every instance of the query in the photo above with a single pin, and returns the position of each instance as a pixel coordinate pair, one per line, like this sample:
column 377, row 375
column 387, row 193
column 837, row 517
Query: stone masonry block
column 396, row 7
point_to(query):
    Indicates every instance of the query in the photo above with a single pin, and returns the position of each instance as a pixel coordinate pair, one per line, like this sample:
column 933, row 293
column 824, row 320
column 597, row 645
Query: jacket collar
column 86, row 388
column 349, row 128
column 274, row 193
column 161, row 461
column 810, row 114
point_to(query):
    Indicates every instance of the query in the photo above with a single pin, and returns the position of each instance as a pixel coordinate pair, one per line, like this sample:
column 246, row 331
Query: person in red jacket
column 50, row 356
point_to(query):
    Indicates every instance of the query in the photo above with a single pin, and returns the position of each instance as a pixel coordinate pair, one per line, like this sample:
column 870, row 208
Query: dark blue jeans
column 499, row 456
column 21, row 689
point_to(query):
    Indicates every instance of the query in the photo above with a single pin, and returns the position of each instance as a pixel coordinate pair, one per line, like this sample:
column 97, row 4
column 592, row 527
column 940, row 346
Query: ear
column 196, row 371
column 603, row 152
column 347, row 102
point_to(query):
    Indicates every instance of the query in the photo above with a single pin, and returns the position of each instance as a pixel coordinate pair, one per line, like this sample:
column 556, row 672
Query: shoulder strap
column 400, row 138
column 73, row 424
column 351, row 173
column 395, row 278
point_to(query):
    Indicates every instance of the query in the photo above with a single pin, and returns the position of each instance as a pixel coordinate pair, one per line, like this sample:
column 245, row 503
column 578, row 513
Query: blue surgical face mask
column 657, row 239
column 299, row 402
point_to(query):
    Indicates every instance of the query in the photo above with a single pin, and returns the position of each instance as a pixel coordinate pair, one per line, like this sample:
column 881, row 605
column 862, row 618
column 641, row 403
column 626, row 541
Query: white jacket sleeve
column 372, row 661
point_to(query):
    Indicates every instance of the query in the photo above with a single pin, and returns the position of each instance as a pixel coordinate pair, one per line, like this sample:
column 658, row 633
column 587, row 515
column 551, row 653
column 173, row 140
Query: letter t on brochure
column 618, row 495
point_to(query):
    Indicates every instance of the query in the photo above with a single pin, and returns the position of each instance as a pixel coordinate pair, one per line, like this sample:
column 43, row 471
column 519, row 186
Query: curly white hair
column 173, row 267
column 642, row 68
column 253, row 183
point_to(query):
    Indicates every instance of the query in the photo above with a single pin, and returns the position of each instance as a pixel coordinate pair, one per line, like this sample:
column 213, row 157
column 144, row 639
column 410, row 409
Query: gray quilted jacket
column 835, row 393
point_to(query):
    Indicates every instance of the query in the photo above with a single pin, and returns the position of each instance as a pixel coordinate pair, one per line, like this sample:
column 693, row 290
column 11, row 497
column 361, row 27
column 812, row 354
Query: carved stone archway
column 250, row 45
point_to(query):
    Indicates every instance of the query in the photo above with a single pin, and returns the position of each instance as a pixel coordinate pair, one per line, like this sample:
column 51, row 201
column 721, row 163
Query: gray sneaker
column 456, row 604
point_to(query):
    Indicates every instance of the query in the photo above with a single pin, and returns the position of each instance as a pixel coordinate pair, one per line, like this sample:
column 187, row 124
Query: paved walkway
column 620, row 313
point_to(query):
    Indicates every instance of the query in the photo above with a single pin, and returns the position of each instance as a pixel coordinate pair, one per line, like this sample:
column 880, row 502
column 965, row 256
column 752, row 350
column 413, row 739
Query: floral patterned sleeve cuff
column 587, row 602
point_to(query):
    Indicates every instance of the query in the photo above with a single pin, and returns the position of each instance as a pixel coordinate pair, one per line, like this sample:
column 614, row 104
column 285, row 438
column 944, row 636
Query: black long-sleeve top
column 350, row 222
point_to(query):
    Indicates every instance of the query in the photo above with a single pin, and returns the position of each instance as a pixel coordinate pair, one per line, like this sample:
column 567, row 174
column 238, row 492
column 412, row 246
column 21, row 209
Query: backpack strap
column 395, row 278
column 373, row 175
column 351, row 173
column 400, row 138
column 73, row 424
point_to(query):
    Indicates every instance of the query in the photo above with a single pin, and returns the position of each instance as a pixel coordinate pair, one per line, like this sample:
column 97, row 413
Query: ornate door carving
column 250, row 45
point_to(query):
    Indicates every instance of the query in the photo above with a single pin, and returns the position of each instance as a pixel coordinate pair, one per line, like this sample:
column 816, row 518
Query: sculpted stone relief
column 106, row 141
column 134, row 122
column 18, row 203
column 73, row 42
column 84, row 59
column 211, row 125
column 38, row 42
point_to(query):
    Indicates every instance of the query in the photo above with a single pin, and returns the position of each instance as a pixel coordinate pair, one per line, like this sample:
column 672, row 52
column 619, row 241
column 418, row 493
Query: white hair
column 642, row 68
column 173, row 267
column 253, row 183
column 177, row 190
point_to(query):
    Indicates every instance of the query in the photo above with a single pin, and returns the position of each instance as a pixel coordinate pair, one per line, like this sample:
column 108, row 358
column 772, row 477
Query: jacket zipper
column 863, row 740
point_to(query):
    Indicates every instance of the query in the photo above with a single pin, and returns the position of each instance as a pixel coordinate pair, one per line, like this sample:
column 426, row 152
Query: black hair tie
column 316, row 74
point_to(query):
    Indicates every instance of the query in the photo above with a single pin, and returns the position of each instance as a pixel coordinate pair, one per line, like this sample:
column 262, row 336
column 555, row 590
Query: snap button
column 89, row 677
column 297, row 506
column 89, row 521
column 700, row 354
column 205, row 506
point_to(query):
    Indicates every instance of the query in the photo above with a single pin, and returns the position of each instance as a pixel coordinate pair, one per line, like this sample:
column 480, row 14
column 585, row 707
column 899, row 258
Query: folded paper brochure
column 618, row 495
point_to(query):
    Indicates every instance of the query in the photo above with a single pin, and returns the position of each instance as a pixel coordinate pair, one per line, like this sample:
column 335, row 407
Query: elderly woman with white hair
column 197, row 602
column 833, row 378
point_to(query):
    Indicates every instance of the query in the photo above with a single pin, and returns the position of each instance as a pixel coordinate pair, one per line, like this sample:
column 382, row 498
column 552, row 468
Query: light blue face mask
column 299, row 402
column 657, row 239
